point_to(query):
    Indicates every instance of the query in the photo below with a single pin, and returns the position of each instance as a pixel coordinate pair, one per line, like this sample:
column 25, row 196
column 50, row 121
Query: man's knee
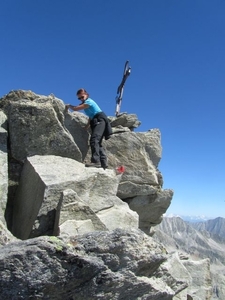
column 95, row 138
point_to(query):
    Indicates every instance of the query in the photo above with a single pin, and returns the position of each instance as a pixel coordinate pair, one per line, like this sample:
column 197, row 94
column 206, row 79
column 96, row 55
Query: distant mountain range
column 199, row 240
column 191, row 219
column 216, row 227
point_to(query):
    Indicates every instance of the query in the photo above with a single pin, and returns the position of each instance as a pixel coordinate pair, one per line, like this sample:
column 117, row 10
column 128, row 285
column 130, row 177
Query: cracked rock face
column 109, row 265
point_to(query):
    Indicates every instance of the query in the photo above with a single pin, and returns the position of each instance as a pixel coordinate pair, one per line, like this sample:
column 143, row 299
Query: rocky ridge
column 216, row 228
column 88, row 228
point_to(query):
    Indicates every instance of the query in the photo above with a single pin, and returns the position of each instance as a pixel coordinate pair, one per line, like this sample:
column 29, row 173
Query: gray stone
column 120, row 129
column 151, row 208
column 72, row 207
column 128, row 189
column 128, row 149
column 125, row 120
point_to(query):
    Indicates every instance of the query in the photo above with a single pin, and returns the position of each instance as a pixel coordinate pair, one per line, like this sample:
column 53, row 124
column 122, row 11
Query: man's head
column 82, row 94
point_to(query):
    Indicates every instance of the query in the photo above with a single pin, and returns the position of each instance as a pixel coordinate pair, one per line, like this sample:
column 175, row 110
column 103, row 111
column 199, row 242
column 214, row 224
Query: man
column 100, row 127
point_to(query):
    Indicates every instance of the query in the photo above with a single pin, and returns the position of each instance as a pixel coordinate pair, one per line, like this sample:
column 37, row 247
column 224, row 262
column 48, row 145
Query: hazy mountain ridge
column 191, row 219
column 198, row 240
column 190, row 240
column 215, row 227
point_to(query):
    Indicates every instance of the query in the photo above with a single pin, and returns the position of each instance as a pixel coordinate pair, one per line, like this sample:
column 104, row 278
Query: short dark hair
column 82, row 91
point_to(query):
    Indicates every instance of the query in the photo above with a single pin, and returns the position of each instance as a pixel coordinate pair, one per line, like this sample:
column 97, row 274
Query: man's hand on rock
column 67, row 106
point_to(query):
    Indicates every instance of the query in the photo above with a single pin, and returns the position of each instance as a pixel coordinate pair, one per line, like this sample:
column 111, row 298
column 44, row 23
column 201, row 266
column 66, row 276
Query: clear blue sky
column 177, row 53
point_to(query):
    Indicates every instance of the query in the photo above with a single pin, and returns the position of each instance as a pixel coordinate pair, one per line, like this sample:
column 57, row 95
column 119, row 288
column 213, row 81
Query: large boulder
column 36, row 126
column 131, row 150
column 124, row 120
column 141, row 183
column 39, row 195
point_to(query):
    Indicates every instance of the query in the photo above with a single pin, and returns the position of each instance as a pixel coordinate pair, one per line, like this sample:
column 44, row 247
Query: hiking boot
column 93, row 165
column 104, row 167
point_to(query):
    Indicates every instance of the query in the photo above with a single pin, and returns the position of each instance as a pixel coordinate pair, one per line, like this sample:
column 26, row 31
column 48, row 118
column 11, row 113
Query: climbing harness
column 126, row 73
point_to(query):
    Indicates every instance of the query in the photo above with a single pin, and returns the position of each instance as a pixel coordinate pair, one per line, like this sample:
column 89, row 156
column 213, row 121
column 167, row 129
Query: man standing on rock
column 100, row 127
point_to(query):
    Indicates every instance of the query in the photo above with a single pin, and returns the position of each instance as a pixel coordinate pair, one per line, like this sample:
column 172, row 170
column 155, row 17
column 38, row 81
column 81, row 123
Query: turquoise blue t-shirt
column 93, row 108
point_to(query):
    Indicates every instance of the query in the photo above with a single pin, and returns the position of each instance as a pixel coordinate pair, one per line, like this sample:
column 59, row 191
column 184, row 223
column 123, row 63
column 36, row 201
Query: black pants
column 98, row 154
